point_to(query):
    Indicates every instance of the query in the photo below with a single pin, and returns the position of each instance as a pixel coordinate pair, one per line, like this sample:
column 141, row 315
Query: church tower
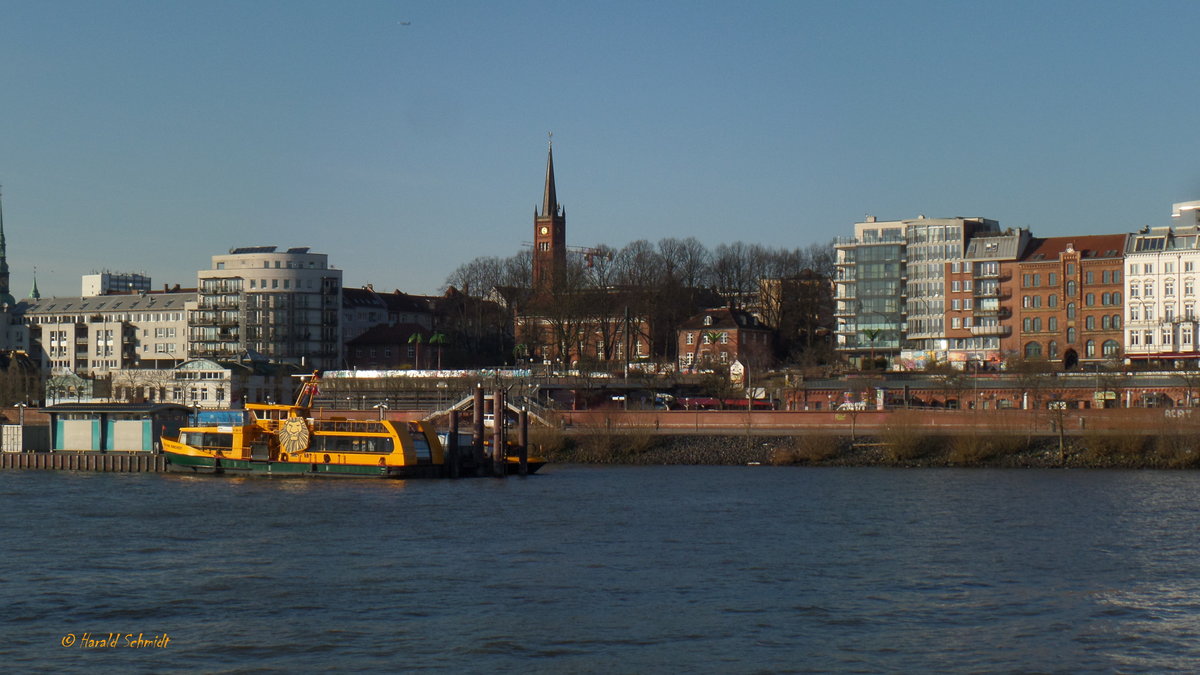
column 549, row 234
column 5, row 296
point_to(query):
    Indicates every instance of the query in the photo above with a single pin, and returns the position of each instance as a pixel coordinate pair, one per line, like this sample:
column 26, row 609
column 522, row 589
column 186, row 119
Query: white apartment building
column 96, row 335
column 283, row 305
column 1162, row 271
column 202, row 383
column 105, row 283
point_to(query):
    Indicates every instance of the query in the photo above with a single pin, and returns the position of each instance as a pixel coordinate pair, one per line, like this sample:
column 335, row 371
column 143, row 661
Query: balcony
column 998, row 312
column 991, row 331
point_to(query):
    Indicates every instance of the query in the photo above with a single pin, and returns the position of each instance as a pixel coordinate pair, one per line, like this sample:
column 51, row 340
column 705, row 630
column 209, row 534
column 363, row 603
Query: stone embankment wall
column 896, row 448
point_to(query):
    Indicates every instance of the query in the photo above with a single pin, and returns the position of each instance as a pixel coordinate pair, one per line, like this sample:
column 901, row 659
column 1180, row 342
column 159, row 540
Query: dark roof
column 1089, row 246
column 395, row 301
column 116, row 407
column 723, row 318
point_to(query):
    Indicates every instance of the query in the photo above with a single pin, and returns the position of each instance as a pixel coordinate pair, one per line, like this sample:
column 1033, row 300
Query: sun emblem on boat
column 293, row 435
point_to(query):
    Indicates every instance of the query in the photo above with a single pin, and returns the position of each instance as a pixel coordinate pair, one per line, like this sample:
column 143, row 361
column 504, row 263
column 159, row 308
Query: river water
column 605, row 570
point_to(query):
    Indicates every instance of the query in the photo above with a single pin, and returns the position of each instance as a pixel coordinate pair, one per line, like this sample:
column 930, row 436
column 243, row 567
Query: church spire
column 3, row 250
column 549, row 198
column 35, row 294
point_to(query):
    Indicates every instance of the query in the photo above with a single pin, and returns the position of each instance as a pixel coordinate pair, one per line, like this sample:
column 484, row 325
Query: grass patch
column 807, row 449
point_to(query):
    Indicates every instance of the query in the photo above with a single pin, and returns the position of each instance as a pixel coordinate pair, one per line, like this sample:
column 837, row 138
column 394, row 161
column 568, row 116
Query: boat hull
column 226, row 466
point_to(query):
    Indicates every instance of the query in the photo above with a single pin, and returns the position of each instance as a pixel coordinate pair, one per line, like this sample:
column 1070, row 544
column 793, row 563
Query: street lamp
column 380, row 407
column 21, row 421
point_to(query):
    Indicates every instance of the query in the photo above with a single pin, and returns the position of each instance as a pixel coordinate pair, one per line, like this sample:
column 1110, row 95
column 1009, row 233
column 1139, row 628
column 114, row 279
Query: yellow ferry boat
column 284, row 440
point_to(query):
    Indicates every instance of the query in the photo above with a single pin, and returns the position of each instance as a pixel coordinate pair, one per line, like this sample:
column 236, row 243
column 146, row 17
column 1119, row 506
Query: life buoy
column 283, row 457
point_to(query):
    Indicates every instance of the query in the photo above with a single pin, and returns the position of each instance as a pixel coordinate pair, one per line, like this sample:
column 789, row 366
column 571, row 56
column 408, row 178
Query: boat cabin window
column 420, row 443
column 206, row 439
column 332, row 443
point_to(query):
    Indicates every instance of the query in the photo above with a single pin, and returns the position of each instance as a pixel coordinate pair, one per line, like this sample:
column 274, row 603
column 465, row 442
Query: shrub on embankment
column 899, row 446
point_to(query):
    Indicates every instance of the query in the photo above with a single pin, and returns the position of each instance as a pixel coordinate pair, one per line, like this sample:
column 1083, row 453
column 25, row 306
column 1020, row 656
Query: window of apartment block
column 955, row 305
column 1088, row 277
column 955, row 322
column 967, row 285
column 1026, row 280
column 1052, row 301
column 1148, row 268
column 1071, row 336
column 1027, row 325
column 1169, row 287
column 1189, row 266
column 1071, row 289
column 1168, row 268
column 1168, row 313
column 955, row 267
column 955, row 286
column 1133, row 290
column 1189, row 286
column 1135, row 338
column 689, row 338
column 1148, row 289
column 1148, row 312
column 1090, row 300
column 1052, row 324
column 1134, row 314
column 1104, row 322
column 1053, row 279
column 1148, row 337
column 1090, row 323
column 1037, row 280
column 1070, row 310
column 1185, row 334
column 1166, row 337
column 967, row 303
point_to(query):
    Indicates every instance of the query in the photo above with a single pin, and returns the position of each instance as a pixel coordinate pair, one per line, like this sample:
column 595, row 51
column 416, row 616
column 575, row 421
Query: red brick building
column 1068, row 304
column 718, row 337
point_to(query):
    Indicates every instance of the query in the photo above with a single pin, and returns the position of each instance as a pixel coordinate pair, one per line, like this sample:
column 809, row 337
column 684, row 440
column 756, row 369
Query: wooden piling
column 499, row 436
column 477, row 407
column 451, row 449
column 523, row 443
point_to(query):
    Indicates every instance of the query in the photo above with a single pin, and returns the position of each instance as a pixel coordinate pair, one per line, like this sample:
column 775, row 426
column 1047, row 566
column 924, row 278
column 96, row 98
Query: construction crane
column 589, row 253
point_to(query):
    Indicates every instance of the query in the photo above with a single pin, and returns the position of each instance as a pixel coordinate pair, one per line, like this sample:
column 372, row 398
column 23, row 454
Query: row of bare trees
column 659, row 285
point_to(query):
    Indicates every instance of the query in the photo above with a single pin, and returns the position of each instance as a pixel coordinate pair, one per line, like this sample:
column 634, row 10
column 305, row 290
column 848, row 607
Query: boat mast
column 308, row 392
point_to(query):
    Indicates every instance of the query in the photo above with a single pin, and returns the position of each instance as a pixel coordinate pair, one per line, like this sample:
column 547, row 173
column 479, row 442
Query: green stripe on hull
column 247, row 467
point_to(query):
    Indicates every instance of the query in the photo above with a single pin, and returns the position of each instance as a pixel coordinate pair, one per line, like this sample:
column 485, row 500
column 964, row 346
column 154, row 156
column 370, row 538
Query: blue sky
column 149, row 136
